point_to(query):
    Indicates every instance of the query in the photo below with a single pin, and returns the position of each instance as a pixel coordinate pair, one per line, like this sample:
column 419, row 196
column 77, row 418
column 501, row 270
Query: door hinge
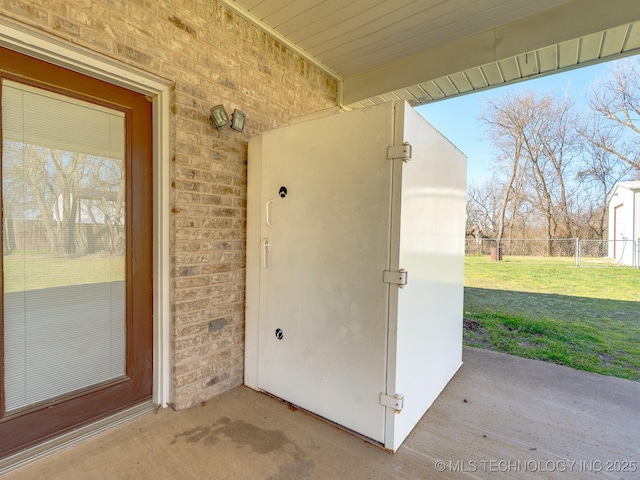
column 403, row 151
column 396, row 278
column 392, row 401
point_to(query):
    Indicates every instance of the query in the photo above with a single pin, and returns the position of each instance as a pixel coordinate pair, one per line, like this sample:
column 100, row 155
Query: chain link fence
column 592, row 253
column 608, row 253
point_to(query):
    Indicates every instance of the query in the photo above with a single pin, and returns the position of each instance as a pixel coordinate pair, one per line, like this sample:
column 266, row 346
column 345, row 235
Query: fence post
column 577, row 252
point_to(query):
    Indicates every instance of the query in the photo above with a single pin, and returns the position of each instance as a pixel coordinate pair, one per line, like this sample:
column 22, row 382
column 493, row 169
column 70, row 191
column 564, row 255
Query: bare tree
column 600, row 171
column 617, row 100
column 555, row 171
column 560, row 146
column 506, row 127
column 483, row 204
column 536, row 143
column 47, row 184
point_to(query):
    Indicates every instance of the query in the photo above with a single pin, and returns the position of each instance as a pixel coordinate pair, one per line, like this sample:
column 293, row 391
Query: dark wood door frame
column 29, row 426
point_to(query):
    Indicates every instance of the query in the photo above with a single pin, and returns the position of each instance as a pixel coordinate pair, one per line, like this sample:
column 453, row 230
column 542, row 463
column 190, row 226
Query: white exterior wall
column 624, row 223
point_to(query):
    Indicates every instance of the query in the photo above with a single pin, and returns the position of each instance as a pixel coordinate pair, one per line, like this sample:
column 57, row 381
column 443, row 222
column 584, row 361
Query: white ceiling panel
column 493, row 74
column 614, row 40
column 361, row 25
column 391, row 97
column 477, row 78
column 528, row 65
column 311, row 16
column 404, row 94
column 423, row 50
column 286, row 13
column 568, row 53
column 633, row 40
column 416, row 91
column 446, row 86
column 590, row 47
column 509, row 69
column 328, row 19
column 329, row 30
column 433, row 92
column 387, row 31
column 548, row 59
column 461, row 82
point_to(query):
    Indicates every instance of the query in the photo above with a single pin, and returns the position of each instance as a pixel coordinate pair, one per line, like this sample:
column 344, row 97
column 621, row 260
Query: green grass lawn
column 549, row 309
column 33, row 272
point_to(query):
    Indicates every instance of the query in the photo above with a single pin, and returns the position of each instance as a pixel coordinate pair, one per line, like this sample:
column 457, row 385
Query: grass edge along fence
column 592, row 253
column 546, row 308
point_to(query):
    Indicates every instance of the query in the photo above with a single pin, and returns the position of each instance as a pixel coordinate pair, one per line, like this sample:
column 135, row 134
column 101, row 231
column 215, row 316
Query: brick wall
column 212, row 56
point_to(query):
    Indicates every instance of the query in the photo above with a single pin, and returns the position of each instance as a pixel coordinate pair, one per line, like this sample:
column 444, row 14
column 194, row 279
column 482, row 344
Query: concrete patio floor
column 500, row 416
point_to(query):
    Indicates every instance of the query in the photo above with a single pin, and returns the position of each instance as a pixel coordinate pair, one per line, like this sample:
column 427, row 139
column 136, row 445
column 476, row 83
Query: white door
column 618, row 232
column 322, row 338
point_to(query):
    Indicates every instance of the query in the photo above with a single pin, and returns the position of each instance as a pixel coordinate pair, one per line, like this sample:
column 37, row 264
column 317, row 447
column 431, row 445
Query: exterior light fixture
column 237, row 120
column 219, row 118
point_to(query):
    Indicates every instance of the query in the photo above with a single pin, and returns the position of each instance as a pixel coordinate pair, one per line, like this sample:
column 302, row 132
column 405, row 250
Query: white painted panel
column 390, row 97
column 390, row 30
column 624, row 205
column 636, row 223
column 365, row 22
column 620, row 232
column 461, row 82
column 328, row 247
column 528, row 64
column 388, row 38
column 428, row 348
column 254, row 262
column 250, row 4
column 568, row 53
column 477, row 78
column 416, row 91
column 621, row 222
column 313, row 14
column 433, row 90
column 493, row 74
column 548, row 58
column 446, row 86
column 325, row 22
column 633, row 41
column 292, row 9
column 405, row 94
column 264, row 9
column 590, row 47
column 613, row 41
column 509, row 68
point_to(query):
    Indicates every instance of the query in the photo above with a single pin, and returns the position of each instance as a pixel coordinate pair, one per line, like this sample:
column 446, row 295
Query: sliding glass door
column 76, row 178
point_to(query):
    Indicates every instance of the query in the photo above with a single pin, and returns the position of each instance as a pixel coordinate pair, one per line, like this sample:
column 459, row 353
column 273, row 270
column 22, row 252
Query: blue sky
column 459, row 118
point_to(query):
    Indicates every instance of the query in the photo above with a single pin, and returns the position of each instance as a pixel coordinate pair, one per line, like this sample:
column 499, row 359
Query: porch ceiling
column 426, row 50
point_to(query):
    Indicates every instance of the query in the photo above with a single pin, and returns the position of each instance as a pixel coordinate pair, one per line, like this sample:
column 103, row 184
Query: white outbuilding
column 624, row 223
